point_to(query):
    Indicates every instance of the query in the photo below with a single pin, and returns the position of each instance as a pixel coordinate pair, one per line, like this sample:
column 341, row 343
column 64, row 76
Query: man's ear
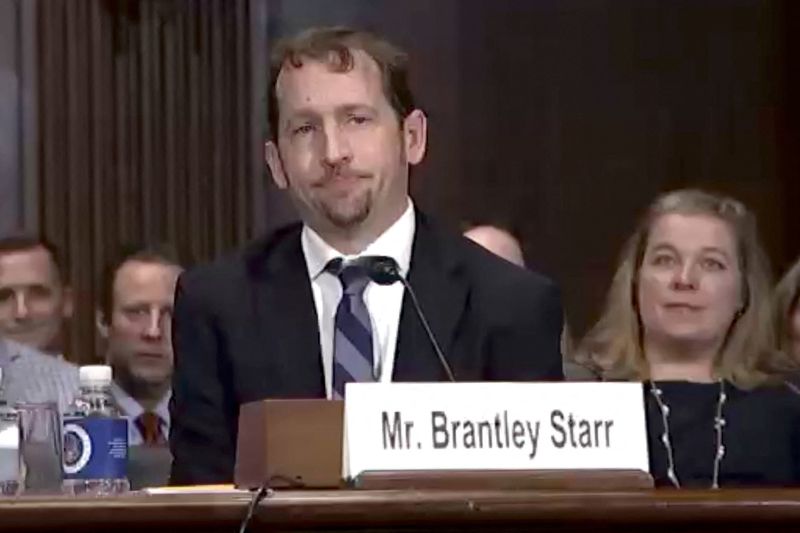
column 68, row 307
column 415, row 136
column 101, row 324
column 275, row 164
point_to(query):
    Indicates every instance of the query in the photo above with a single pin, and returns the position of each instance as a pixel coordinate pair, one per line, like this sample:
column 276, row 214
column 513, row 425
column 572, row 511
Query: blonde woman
column 689, row 313
column 787, row 313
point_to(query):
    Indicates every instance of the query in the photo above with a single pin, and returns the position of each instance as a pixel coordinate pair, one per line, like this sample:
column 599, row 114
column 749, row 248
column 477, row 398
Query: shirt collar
column 5, row 357
column 396, row 242
column 9, row 352
column 134, row 409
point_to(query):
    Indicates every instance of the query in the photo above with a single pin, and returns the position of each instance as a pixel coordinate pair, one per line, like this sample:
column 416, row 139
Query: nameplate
column 494, row 426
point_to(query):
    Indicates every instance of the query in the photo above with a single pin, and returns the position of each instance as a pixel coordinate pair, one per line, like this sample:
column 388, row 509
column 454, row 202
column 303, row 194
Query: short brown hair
column 334, row 47
column 24, row 242
column 159, row 253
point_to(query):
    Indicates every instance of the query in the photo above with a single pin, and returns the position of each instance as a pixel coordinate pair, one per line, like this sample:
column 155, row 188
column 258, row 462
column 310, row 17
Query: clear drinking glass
column 10, row 451
column 42, row 447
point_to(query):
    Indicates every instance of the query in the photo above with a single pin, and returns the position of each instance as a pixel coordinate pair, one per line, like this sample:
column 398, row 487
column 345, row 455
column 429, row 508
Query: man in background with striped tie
column 299, row 314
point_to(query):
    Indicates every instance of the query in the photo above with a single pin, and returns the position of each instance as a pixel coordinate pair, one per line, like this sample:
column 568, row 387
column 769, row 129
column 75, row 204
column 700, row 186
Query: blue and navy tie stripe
column 352, row 345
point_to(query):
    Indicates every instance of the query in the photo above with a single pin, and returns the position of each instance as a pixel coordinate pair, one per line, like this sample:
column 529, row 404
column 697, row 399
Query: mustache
column 341, row 171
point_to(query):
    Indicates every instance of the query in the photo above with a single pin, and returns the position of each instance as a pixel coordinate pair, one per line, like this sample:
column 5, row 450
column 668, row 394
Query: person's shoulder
column 778, row 392
column 486, row 269
column 239, row 266
column 41, row 362
column 502, row 273
column 223, row 269
column 788, row 389
column 505, row 292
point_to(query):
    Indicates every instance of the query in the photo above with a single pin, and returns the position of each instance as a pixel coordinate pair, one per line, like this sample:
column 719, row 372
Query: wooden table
column 439, row 511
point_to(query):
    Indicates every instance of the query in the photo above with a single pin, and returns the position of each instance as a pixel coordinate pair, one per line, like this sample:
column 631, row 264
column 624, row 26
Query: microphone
column 384, row 270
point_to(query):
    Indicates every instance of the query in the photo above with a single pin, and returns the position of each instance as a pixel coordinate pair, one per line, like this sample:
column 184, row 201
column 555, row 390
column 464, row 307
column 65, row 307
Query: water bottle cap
column 95, row 375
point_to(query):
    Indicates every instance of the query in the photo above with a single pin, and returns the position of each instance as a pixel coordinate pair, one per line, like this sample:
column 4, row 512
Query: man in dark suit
column 294, row 317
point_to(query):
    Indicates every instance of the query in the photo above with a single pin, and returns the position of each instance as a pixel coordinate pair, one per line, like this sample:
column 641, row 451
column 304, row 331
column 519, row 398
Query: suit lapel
column 286, row 318
column 442, row 294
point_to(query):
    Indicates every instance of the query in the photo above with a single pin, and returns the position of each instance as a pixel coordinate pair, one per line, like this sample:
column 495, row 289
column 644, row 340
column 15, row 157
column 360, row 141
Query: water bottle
column 95, row 438
column 10, row 439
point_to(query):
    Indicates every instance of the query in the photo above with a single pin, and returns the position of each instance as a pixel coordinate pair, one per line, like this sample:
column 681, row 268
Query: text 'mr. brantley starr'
column 498, row 432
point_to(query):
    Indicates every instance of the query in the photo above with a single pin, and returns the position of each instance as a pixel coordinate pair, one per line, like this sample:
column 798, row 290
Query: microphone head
column 381, row 269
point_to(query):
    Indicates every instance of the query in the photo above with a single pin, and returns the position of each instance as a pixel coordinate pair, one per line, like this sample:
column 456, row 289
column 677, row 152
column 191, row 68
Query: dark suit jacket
column 245, row 328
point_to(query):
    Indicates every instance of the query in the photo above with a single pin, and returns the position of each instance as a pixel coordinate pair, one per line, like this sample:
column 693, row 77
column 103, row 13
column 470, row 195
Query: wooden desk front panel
column 435, row 511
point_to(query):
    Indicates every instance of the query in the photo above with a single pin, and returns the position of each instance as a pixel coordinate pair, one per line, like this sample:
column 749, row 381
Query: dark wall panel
column 145, row 121
column 10, row 117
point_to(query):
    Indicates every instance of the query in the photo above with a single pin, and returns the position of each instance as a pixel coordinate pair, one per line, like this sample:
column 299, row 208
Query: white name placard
column 494, row 426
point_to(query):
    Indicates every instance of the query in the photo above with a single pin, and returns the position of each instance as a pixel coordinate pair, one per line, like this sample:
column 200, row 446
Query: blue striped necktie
column 352, row 344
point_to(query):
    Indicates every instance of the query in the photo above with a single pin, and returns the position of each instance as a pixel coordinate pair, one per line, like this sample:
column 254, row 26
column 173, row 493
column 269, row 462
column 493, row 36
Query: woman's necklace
column 719, row 423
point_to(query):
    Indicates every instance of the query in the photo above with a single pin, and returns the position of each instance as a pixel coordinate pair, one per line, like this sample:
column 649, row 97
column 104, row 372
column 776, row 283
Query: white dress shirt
column 133, row 410
column 384, row 302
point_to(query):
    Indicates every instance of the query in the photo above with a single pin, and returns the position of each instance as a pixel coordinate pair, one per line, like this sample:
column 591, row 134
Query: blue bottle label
column 95, row 448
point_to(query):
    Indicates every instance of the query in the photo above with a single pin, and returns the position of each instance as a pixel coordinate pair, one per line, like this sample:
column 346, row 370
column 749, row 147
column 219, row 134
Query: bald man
column 498, row 241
